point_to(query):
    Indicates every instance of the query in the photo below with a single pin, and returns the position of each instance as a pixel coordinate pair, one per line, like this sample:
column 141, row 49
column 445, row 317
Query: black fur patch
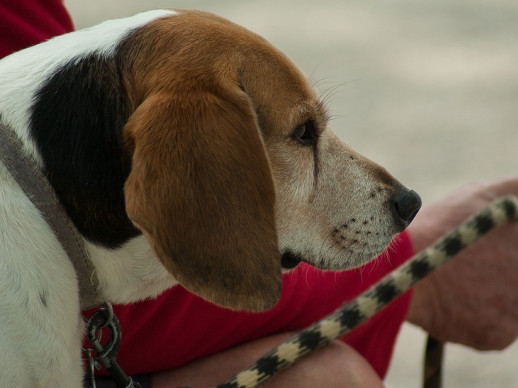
column 77, row 121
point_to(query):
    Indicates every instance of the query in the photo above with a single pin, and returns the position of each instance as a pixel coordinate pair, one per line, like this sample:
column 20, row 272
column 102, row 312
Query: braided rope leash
column 378, row 296
column 432, row 368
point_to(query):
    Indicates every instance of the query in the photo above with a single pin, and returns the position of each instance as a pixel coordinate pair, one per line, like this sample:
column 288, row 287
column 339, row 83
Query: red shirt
column 179, row 327
column 24, row 23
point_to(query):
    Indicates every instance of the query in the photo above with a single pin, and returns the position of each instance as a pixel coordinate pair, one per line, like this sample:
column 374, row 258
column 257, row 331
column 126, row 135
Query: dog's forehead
column 196, row 46
column 282, row 96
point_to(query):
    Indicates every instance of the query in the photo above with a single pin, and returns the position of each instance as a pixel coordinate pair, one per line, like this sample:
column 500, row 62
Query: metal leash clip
column 106, row 355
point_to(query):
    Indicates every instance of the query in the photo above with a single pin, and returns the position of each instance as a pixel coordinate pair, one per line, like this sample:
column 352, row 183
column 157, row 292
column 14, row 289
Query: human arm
column 472, row 300
column 337, row 365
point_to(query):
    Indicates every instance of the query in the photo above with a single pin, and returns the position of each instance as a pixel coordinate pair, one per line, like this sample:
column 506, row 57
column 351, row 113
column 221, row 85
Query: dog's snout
column 406, row 204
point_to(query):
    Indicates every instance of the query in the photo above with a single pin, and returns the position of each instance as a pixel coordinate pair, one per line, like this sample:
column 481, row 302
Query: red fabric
column 179, row 327
column 24, row 23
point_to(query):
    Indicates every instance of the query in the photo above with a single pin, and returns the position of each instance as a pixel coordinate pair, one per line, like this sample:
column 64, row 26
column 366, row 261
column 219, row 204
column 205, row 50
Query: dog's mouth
column 290, row 260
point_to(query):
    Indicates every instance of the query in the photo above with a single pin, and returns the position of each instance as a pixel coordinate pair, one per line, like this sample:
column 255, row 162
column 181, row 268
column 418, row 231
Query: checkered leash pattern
column 373, row 300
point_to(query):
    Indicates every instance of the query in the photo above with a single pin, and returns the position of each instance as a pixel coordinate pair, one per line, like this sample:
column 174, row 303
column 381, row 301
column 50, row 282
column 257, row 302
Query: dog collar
column 34, row 183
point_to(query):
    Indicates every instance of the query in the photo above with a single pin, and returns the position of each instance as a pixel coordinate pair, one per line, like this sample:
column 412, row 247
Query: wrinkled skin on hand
column 473, row 299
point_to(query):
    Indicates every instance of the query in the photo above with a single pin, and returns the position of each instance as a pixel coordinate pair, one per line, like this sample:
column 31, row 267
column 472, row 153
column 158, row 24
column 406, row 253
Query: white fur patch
column 40, row 324
column 22, row 73
column 129, row 273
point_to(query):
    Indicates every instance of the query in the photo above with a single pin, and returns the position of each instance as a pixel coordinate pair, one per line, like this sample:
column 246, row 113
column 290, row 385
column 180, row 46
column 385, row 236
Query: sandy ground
column 429, row 89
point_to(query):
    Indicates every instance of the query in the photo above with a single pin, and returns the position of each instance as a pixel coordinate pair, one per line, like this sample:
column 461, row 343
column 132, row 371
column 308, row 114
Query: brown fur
column 201, row 190
column 200, row 186
column 218, row 185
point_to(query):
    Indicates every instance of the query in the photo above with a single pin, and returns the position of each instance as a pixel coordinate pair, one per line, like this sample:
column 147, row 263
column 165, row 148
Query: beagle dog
column 186, row 150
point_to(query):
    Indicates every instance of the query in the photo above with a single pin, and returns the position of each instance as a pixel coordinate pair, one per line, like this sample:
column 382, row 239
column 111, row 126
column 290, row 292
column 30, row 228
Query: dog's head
column 234, row 170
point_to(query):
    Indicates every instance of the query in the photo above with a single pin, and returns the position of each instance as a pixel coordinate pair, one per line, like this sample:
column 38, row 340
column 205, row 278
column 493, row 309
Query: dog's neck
column 76, row 121
column 66, row 103
column 131, row 272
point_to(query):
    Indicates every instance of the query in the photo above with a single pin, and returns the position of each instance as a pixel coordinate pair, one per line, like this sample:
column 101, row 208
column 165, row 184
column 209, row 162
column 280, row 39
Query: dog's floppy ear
column 201, row 190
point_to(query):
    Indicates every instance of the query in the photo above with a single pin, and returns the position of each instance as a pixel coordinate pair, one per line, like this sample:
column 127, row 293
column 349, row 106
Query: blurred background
column 428, row 89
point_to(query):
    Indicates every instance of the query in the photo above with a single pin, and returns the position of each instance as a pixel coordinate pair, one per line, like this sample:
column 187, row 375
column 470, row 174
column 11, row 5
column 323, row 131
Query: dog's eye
column 306, row 134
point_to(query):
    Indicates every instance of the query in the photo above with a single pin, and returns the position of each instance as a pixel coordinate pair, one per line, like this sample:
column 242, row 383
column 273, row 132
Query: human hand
column 473, row 299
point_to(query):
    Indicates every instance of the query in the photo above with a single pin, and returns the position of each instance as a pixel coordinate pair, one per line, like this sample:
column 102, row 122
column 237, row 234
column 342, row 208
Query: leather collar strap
column 33, row 182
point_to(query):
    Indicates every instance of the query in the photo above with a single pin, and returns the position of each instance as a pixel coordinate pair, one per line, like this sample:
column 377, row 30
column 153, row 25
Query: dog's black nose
column 406, row 204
